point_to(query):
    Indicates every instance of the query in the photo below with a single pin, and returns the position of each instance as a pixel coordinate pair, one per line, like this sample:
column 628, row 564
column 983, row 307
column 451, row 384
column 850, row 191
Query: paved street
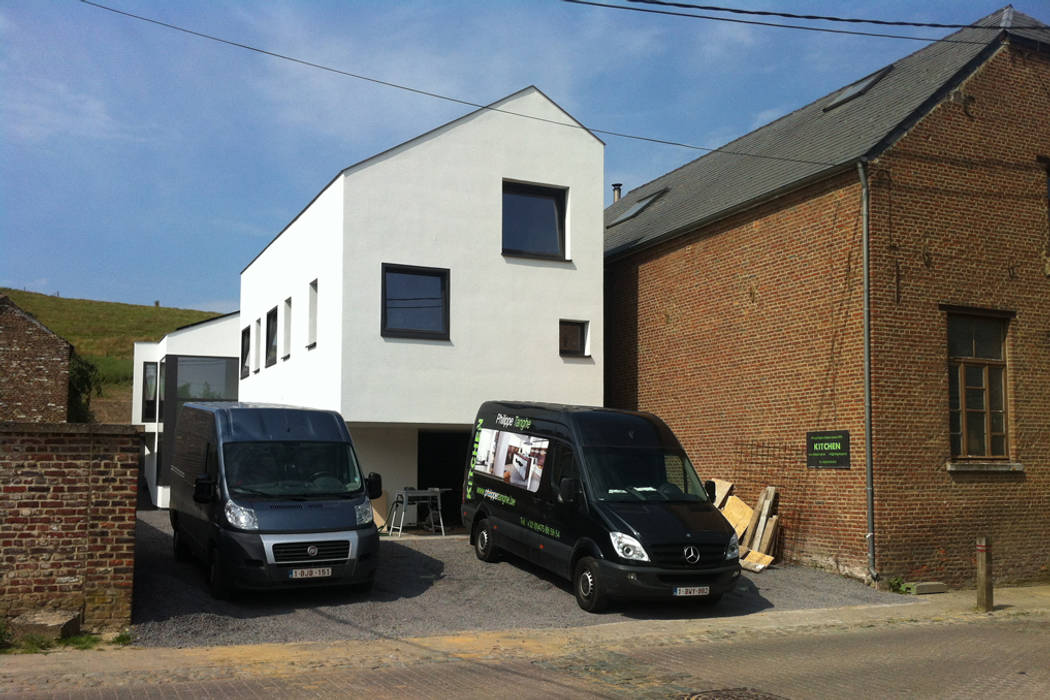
column 936, row 647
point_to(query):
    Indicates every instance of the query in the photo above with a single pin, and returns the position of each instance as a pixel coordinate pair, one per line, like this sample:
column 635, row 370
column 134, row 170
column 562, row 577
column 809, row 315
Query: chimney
column 616, row 191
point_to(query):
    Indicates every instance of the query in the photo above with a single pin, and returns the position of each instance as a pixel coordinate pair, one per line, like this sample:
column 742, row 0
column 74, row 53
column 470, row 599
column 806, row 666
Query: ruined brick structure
column 34, row 368
column 745, row 328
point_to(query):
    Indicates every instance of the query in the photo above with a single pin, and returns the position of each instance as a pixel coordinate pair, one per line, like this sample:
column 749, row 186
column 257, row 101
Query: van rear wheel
column 588, row 586
column 178, row 545
column 484, row 544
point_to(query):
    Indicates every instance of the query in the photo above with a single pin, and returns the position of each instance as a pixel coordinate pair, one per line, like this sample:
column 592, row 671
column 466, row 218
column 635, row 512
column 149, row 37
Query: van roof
column 593, row 425
column 259, row 422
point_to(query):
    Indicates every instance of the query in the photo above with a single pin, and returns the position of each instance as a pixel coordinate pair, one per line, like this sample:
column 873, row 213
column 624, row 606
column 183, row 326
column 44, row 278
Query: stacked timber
column 756, row 528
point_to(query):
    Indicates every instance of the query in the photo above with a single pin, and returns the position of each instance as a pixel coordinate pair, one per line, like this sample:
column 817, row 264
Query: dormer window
column 533, row 221
column 857, row 89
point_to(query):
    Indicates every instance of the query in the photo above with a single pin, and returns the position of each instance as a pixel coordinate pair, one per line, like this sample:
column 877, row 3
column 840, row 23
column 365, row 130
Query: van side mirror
column 567, row 490
column 203, row 489
column 709, row 486
column 374, row 486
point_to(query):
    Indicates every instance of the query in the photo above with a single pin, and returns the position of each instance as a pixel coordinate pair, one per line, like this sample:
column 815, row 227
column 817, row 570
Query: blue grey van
column 272, row 497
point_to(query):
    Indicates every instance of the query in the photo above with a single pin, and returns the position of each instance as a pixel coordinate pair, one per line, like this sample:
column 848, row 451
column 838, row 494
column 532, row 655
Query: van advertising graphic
column 517, row 459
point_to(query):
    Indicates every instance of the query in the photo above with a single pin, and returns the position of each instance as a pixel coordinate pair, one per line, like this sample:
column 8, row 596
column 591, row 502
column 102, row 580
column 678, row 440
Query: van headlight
column 627, row 547
column 733, row 550
column 240, row 517
column 364, row 513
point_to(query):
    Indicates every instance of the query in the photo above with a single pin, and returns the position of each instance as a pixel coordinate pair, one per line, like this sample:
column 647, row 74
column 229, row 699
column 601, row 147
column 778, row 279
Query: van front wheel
column 484, row 545
column 588, row 586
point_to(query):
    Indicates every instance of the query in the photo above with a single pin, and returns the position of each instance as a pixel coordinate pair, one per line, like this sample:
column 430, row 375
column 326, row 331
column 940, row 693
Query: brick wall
column 959, row 216
column 34, row 368
column 749, row 333
column 67, row 504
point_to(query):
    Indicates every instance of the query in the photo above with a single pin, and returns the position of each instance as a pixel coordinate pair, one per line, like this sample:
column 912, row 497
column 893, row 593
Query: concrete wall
column 67, row 504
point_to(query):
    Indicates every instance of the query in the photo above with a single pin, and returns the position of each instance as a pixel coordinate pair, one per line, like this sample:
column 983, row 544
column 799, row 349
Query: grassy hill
column 103, row 333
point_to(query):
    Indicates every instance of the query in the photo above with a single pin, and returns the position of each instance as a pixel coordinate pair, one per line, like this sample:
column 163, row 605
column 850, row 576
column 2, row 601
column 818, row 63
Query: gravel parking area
column 425, row 586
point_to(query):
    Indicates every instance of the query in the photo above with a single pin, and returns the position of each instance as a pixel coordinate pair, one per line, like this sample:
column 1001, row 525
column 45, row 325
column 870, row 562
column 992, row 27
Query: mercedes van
column 604, row 498
column 271, row 497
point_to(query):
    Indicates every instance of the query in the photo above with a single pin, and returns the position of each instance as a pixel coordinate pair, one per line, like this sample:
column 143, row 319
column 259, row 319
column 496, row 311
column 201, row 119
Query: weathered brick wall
column 743, row 338
column 34, row 368
column 67, row 504
column 959, row 216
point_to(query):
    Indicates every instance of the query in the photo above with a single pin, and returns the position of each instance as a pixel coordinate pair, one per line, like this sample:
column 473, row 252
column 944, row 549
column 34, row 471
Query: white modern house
column 195, row 362
column 463, row 265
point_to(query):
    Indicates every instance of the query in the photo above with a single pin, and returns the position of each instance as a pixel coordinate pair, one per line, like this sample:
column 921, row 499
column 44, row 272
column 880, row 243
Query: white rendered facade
column 435, row 203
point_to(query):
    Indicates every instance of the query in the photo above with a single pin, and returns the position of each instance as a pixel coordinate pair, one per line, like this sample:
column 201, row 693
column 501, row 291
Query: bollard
column 984, row 575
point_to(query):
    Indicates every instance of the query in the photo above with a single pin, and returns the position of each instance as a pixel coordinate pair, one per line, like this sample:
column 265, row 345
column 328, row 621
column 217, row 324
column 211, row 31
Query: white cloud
column 39, row 110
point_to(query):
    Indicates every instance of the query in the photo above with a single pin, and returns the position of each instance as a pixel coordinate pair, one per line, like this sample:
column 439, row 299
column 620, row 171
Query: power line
column 825, row 30
column 439, row 96
column 824, row 18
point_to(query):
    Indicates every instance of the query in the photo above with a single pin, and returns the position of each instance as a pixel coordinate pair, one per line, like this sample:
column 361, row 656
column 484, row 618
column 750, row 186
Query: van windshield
column 290, row 469
column 641, row 474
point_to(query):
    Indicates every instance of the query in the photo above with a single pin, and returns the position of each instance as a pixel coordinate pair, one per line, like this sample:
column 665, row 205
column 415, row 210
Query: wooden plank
column 722, row 490
column 769, row 537
column 756, row 538
column 753, row 523
column 738, row 514
column 756, row 562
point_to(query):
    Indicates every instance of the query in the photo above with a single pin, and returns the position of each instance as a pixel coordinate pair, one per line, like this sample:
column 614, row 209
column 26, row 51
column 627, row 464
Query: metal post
column 984, row 575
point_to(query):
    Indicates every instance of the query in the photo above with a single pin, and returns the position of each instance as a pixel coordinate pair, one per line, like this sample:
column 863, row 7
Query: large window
column 271, row 336
column 246, row 351
column 533, row 221
column 149, row 392
column 977, row 385
column 415, row 302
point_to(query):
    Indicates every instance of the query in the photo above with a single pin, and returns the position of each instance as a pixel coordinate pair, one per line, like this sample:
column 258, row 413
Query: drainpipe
column 862, row 171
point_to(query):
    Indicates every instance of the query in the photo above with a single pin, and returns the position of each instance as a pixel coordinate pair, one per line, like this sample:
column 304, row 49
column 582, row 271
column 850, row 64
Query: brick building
column 881, row 268
column 34, row 368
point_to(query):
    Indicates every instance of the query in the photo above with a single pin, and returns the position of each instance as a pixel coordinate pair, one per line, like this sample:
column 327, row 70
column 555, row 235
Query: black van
column 271, row 496
column 608, row 499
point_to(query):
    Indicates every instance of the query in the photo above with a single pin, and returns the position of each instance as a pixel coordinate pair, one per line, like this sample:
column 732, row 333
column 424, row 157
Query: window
column 271, row 336
column 311, row 328
column 572, row 338
column 533, row 221
column 636, row 208
column 257, row 359
column 246, row 348
column 977, row 386
column 286, row 346
column 415, row 302
column 857, row 89
column 149, row 392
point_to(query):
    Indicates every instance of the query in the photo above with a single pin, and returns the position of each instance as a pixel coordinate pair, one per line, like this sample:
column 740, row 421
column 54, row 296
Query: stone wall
column 34, row 368
column 67, row 505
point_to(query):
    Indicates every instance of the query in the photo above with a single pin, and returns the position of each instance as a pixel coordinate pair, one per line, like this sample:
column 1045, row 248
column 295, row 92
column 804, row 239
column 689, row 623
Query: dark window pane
column 998, row 422
column 956, row 444
column 212, row 378
column 975, row 433
column 975, row 398
column 988, row 338
column 954, row 422
column 953, row 387
column 998, row 445
column 571, row 338
column 415, row 302
column 533, row 220
column 975, row 375
column 271, row 336
column 246, row 344
column 149, row 392
column 960, row 336
column 995, row 388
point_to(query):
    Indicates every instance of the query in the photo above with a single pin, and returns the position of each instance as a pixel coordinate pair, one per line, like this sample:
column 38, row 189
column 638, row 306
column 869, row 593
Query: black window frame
column 148, row 413
column 560, row 197
column 246, row 351
column 581, row 326
column 441, row 273
column 271, row 337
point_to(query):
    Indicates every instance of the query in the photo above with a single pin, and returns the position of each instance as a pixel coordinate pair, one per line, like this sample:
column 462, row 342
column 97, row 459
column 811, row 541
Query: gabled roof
column 829, row 135
column 6, row 301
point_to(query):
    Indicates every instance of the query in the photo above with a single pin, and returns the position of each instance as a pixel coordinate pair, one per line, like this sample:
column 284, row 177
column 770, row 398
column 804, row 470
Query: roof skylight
column 857, row 89
column 636, row 208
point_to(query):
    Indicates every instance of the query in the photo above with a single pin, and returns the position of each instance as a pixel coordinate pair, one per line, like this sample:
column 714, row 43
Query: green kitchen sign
column 827, row 449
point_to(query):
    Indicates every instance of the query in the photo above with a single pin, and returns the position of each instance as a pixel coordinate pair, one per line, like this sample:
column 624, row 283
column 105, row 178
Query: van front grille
column 673, row 556
column 299, row 552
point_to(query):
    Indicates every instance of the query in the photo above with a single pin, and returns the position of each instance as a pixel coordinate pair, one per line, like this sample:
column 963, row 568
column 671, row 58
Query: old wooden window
column 977, row 385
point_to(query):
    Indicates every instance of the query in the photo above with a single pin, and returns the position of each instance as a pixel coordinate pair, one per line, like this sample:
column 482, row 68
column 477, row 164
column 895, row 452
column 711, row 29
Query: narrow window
column 533, row 221
column 271, row 336
column 311, row 328
column 246, row 348
column 286, row 346
column 572, row 338
column 415, row 302
column 257, row 359
column 149, row 392
column 977, row 386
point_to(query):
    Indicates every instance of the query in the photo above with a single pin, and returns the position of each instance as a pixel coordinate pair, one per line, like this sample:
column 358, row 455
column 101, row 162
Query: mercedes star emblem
column 692, row 554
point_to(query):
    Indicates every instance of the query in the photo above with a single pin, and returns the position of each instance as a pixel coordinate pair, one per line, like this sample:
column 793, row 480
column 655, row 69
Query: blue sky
column 139, row 163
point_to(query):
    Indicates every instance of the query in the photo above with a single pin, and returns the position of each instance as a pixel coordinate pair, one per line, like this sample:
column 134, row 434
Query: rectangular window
column 415, row 302
column 246, row 350
column 311, row 328
column 572, row 338
column 533, row 221
column 149, row 392
column 257, row 359
column 286, row 346
column 977, row 386
column 271, row 336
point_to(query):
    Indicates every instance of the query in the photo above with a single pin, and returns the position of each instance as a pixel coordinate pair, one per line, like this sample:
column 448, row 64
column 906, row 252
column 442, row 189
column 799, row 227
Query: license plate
column 692, row 590
column 310, row 573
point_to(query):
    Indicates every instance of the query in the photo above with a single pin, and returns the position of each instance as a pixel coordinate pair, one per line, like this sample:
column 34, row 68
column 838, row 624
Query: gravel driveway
column 424, row 586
